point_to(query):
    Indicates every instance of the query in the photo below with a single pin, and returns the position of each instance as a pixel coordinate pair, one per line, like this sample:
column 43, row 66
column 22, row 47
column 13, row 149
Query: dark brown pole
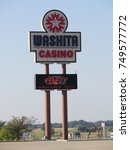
column 64, row 110
column 47, row 110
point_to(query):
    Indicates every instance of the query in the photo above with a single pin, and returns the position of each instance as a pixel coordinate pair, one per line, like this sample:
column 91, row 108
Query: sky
column 92, row 101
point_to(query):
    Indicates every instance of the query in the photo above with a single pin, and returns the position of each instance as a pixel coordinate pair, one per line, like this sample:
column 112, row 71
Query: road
column 58, row 145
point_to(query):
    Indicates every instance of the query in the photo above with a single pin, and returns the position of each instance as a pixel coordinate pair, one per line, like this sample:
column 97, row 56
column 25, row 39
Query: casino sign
column 55, row 45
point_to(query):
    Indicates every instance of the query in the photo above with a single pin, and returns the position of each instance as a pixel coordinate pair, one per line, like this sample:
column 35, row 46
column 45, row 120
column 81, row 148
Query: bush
column 14, row 129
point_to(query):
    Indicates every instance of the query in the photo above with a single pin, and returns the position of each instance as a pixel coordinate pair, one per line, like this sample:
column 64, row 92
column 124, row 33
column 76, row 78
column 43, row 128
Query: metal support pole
column 47, row 110
column 64, row 110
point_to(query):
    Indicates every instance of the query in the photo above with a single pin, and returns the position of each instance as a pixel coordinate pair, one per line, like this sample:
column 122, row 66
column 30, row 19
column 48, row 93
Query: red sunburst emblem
column 55, row 21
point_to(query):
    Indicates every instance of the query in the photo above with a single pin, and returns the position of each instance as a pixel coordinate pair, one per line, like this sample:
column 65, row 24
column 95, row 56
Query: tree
column 17, row 126
column 83, row 128
column 2, row 123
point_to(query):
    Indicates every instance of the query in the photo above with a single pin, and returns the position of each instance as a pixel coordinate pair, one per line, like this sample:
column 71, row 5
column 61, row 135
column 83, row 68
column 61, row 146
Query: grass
column 38, row 134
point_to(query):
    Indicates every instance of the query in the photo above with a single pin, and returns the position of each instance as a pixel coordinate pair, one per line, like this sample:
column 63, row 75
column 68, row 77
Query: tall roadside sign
column 55, row 45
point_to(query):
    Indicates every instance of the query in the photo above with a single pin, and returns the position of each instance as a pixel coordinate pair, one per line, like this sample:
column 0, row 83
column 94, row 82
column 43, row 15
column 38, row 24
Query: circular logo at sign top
column 55, row 21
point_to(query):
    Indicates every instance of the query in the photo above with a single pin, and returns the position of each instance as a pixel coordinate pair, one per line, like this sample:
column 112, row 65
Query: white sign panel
column 50, row 47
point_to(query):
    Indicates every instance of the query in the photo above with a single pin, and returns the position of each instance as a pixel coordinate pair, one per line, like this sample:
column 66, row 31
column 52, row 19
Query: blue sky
column 93, row 99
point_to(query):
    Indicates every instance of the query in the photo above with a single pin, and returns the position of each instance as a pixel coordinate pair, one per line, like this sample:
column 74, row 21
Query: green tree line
column 14, row 129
